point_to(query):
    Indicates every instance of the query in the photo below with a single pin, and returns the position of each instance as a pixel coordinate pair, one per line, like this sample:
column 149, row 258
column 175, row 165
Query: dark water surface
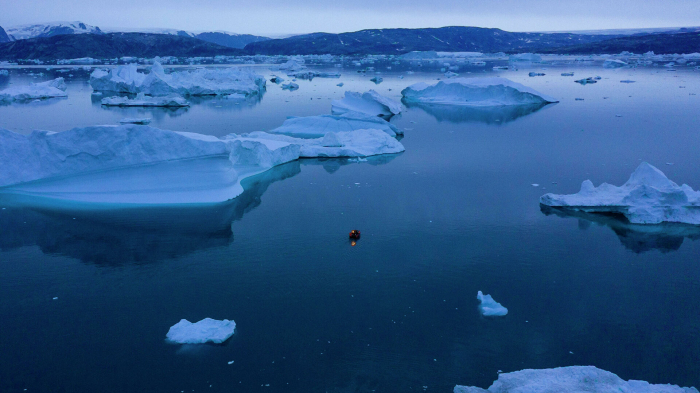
column 455, row 214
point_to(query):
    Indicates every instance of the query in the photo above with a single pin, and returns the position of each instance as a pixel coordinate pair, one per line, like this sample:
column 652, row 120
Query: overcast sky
column 279, row 17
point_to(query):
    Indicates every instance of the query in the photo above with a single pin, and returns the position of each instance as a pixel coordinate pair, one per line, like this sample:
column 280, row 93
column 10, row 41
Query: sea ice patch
column 490, row 307
column 206, row 330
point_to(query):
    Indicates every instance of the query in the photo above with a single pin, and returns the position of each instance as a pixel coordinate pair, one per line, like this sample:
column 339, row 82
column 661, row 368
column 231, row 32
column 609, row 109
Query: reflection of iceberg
column 127, row 236
column 486, row 114
column 635, row 237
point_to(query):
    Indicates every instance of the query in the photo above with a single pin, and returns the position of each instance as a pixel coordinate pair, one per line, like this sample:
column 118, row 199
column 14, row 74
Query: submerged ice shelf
column 648, row 197
column 134, row 164
column 570, row 379
column 474, row 92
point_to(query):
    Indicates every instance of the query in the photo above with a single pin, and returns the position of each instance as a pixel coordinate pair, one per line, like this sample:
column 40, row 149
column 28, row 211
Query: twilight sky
column 279, row 17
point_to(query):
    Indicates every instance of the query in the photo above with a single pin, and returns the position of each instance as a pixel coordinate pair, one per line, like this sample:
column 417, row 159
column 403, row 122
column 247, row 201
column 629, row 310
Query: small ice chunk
column 370, row 103
column 231, row 362
column 489, row 307
column 206, row 330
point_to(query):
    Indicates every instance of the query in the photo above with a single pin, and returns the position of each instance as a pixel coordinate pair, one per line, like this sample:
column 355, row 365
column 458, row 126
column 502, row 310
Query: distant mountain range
column 109, row 46
column 658, row 43
column 75, row 40
column 51, row 29
column 24, row 32
column 399, row 41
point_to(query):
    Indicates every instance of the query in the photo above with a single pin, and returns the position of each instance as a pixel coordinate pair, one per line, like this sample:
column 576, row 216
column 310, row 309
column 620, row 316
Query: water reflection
column 638, row 238
column 331, row 165
column 468, row 114
column 130, row 235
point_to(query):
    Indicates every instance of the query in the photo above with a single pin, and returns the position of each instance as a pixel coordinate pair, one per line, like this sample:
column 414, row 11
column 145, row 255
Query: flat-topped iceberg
column 144, row 100
column 206, row 330
column 490, row 307
column 318, row 126
column 141, row 165
column 573, row 379
column 199, row 82
column 357, row 143
column 648, row 197
column 35, row 91
column 474, row 92
column 370, row 103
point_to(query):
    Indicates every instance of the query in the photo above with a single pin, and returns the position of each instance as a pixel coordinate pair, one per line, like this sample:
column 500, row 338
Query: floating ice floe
column 142, row 165
column 276, row 80
column 313, row 74
column 35, row 91
column 586, row 81
column 570, row 379
column 525, row 57
column 370, row 103
column 474, row 92
column 318, row 126
column 199, row 82
column 613, row 63
column 648, row 197
column 489, row 307
column 536, row 74
column 142, row 120
column 377, row 80
column 144, row 100
column 291, row 86
column 206, row 330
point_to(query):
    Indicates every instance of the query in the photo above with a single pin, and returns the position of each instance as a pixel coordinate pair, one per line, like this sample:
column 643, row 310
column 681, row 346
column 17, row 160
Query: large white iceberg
column 370, row 103
column 648, row 197
column 474, row 92
column 206, row 330
column 49, row 89
column 144, row 100
column 199, row 82
column 141, row 165
column 490, row 307
column 318, row 126
column 573, row 379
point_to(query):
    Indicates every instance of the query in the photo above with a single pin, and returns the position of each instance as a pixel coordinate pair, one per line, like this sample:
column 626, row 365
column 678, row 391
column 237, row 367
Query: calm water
column 454, row 214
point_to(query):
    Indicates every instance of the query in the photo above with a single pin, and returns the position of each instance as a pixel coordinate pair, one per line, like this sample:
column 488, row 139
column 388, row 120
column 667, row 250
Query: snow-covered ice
column 648, row 197
column 474, row 92
column 490, row 307
column 142, row 165
column 141, row 99
column 206, row 330
column 573, row 379
column 370, row 103
column 318, row 126
column 49, row 89
column 198, row 82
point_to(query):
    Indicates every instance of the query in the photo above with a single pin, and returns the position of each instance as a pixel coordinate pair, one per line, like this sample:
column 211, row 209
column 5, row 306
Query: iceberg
column 199, row 82
column 531, row 57
column 480, row 114
column 141, row 165
column 206, row 330
column 143, row 100
column 49, row 89
column 536, row 74
column 291, row 66
column 474, row 92
column 129, row 120
column 356, row 143
column 612, row 63
column 648, row 197
column 318, row 126
column 370, row 103
column 570, row 379
column 377, row 80
column 291, row 86
column 313, row 74
column 489, row 307
column 586, row 81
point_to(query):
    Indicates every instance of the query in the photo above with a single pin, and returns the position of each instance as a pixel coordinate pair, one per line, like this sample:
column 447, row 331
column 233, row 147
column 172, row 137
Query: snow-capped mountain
column 23, row 32
column 224, row 38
